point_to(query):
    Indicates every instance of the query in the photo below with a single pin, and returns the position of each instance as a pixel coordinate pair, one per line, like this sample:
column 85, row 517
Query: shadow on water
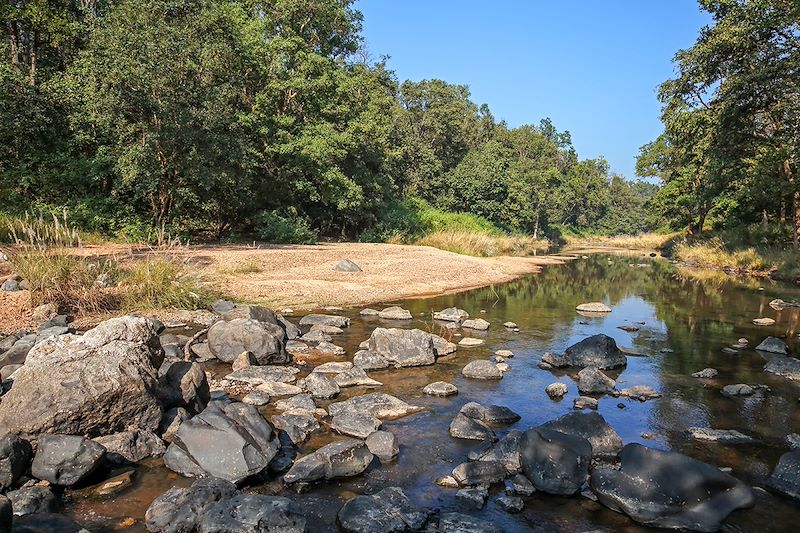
column 683, row 323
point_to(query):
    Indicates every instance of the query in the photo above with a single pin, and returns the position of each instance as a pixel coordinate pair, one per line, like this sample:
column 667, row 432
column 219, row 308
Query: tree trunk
column 787, row 171
column 536, row 228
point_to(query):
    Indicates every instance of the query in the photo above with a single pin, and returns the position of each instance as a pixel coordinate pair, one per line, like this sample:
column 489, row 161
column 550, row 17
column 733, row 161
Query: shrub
column 284, row 228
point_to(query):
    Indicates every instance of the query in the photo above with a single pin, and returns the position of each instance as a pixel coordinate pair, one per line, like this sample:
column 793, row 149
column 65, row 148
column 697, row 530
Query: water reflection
column 683, row 322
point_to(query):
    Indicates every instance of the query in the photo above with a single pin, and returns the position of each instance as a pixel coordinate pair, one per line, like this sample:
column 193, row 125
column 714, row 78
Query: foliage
column 275, row 227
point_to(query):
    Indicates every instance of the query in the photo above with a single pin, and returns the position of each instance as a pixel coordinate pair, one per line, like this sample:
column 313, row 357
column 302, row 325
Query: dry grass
column 643, row 241
column 161, row 283
column 483, row 245
column 716, row 254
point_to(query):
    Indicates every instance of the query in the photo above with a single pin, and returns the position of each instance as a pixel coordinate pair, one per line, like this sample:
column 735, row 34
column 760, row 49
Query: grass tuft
column 483, row 244
column 162, row 284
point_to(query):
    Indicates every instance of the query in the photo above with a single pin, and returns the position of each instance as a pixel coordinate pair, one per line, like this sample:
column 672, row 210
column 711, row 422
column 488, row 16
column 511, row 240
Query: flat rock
column 66, row 459
column 593, row 307
column 257, row 398
column 339, row 459
column 320, row 385
column 640, row 392
column 403, row 347
column 329, row 348
column 605, row 442
column 470, row 342
column 764, row 321
column 295, row 346
column 462, row 523
column 476, row 323
column 378, row 404
column 355, row 377
column 324, row 328
column 482, row 369
column 387, row 511
column 369, row 312
column 253, row 512
column 773, row 345
column 722, row 436
column 440, row 388
column 299, row 402
column 333, row 367
column 276, row 388
column 451, row 314
column 395, row 313
column 506, row 354
column 370, row 361
column 787, row 367
column 327, row 320
column 706, row 373
column 316, row 336
column 600, row 351
column 256, row 375
column 359, row 425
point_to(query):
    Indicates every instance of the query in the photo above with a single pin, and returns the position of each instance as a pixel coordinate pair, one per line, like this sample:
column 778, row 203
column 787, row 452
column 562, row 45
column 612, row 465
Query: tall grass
column 161, row 283
column 642, row 241
column 483, row 244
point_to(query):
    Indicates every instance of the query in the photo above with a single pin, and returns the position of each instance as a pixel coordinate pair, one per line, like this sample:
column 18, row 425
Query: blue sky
column 592, row 66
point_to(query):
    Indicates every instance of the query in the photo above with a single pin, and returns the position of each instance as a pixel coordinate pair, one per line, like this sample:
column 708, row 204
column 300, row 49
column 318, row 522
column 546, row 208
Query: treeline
column 269, row 119
column 729, row 154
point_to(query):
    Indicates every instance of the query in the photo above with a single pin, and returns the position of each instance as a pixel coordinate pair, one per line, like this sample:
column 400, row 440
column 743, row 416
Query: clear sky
column 592, row 66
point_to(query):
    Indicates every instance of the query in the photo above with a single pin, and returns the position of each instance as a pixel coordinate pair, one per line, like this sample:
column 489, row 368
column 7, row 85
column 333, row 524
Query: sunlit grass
column 482, row 244
column 160, row 283
column 643, row 241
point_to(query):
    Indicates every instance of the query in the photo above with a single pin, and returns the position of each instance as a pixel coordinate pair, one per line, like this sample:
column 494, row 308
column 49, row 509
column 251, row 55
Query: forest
column 226, row 119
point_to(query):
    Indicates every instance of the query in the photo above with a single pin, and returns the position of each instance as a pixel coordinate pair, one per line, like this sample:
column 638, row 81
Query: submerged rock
column 555, row 462
column 669, row 489
column 593, row 307
column 461, row 523
column 787, row 367
column 722, row 436
column 440, row 388
column 387, row 511
column 600, row 351
column 481, row 369
column 706, row 373
column 395, row 313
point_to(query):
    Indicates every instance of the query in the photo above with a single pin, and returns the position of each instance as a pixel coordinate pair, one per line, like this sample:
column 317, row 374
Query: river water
column 684, row 323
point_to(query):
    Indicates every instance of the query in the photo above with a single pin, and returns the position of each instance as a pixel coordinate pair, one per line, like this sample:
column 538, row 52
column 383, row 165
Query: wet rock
column 383, row 445
column 284, row 459
column 476, row 323
column 773, row 345
column 256, row 375
column 299, row 426
column 473, row 497
column 669, row 489
column 346, row 265
column 113, row 485
column 584, row 402
column 590, row 426
column 171, row 421
column 785, row 479
column 464, row 427
column 440, row 388
column 600, row 351
column 320, row 386
column 506, row 354
column 492, row 414
column 387, row 511
column 66, row 459
column 327, row 320
column 184, row 385
column 630, row 328
column 359, row 425
column 33, row 500
column 355, row 377
column 368, row 312
column 479, row 473
column 706, row 373
column 131, row 446
column 555, row 462
column 378, row 404
column 511, row 504
column 333, row 367
column 231, row 441
column 739, row 389
column 253, row 512
column 47, row 523
column 722, row 436
column 461, row 523
column 469, row 342
column 15, row 458
column 276, row 388
column 265, row 340
column 593, row 307
column 99, row 383
column 179, row 509
column 787, row 367
column 395, row 313
column 556, row 390
column 451, row 314
column 256, row 397
column 442, row 346
column 370, row 361
column 640, row 392
column 402, row 347
column 340, row 459
column 592, row 381
column 505, row 451
column 520, row 485
column 481, row 369
column 764, row 321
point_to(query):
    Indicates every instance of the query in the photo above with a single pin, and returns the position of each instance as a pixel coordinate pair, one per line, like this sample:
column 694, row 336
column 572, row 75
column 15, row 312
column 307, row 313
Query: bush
column 284, row 228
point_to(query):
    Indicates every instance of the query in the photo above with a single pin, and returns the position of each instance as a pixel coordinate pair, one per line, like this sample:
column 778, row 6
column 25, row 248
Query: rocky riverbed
column 385, row 419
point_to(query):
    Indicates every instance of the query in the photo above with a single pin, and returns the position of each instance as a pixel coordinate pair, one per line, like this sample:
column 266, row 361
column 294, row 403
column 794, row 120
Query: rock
column 256, row 375
column 355, row 377
column 184, row 385
column 10, row 285
column 461, row 523
column 556, row 390
column 300, row 402
column 584, row 402
column 556, row 463
column 131, row 446
column 65, row 459
column 764, row 321
column 370, row 361
column 493, row 414
column 593, row 307
column 740, row 389
column 358, row 425
column 591, row 426
column 95, row 384
column 320, row 386
column 253, row 512
column 465, row 427
column 479, row 473
column 227, row 440
column 6, row 515
column 17, row 354
column 447, row 481
column 600, row 351
column 521, row 485
column 477, row 323
column 473, row 497
column 451, row 314
column 706, row 373
column 276, row 388
column 298, row 426
column 346, row 265
column 443, row 347
column 295, row 347
column 377, row 404
column 640, row 392
column 44, row 312
column 171, row 421
column 113, row 485
column 481, row 369
column 179, row 509
column 788, row 367
column 284, row 459
column 785, row 479
column 793, row 440
column 505, row 451
column 383, row 445
column 592, row 381
column 403, row 347
column 511, row 504
column 324, row 328
column 773, row 345
column 7, row 371
column 440, row 388
column 328, row 320
column 202, row 352
column 669, row 489
column 630, row 328
column 340, row 459
column 221, row 307
column 15, row 458
column 257, row 398
column 387, row 511
column 395, row 313
column 469, row 342
column 243, row 360
column 334, row 367
column 329, row 348
column 722, row 436
column 368, row 312
column 316, row 336
column 34, row 500
column 265, row 340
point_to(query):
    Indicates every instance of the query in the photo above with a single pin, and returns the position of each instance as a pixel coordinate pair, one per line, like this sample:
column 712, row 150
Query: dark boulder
column 339, row 459
column 388, row 511
column 669, row 490
column 47, row 523
column 178, row 509
column 131, row 446
column 555, row 462
column 184, row 385
column 479, row 473
column 785, row 479
column 600, row 351
column 254, row 513
column 15, row 458
column 32, row 500
column 591, row 426
column 6, row 515
column 773, row 345
column 66, row 459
